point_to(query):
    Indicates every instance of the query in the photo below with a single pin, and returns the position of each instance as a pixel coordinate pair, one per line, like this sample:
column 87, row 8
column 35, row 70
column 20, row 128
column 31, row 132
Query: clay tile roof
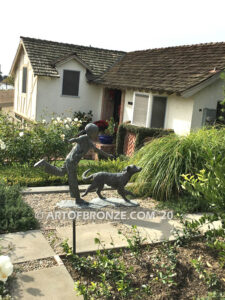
column 170, row 70
column 43, row 55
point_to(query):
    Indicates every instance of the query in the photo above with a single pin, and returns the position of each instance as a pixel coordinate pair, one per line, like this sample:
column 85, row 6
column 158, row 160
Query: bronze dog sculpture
column 117, row 181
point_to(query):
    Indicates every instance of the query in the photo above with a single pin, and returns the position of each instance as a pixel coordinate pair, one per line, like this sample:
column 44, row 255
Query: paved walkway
column 26, row 246
column 54, row 283
column 55, row 189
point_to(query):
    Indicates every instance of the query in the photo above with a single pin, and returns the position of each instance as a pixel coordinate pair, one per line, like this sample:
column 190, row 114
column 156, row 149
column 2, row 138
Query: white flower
column 67, row 126
column 21, row 134
column 69, row 120
column 44, row 121
column 58, row 119
column 6, row 268
column 62, row 136
column 80, row 121
column 65, row 121
column 76, row 119
column 2, row 145
column 54, row 122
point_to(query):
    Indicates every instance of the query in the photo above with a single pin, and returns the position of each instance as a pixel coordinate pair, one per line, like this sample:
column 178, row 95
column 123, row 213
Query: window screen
column 158, row 112
column 71, row 83
column 140, row 110
column 24, row 81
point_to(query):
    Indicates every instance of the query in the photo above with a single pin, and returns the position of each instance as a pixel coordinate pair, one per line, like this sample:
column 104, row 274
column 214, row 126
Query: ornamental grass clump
column 164, row 160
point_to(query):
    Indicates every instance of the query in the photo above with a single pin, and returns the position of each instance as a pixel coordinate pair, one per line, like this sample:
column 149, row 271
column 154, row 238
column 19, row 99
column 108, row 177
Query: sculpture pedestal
column 97, row 203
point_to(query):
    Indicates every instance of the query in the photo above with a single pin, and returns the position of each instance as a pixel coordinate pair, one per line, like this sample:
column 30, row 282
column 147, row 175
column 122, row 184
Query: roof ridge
column 179, row 46
column 68, row 44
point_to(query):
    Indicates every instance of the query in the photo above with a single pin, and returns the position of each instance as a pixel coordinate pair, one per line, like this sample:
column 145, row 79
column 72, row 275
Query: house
column 53, row 77
column 175, row 88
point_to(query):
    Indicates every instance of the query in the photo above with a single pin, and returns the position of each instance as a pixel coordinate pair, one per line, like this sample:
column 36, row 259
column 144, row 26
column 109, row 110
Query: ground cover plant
column 15, row 214
column 184, row 269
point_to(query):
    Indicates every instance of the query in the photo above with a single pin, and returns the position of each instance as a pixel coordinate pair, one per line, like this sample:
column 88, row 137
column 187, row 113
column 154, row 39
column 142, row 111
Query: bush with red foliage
column 102, row 125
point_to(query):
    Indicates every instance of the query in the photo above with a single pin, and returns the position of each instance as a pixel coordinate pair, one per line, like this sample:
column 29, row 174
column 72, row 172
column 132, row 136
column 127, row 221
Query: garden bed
column 156, row 272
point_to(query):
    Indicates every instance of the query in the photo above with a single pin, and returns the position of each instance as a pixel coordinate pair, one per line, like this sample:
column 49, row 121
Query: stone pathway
column 86, row 233
column 26, row 246
column 53, row 283
column 50, row 284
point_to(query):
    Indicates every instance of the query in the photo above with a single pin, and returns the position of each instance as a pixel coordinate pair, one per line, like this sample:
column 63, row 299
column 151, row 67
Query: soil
column 188, row 285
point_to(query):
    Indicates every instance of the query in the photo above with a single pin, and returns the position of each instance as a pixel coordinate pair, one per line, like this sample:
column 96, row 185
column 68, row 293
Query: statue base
column 97, row 203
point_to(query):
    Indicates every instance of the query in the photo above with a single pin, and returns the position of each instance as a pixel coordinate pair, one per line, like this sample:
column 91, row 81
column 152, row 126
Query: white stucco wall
column 178, row 112
column 128, row 109
column 206, row 98
column 50, row 99
column 25, row 103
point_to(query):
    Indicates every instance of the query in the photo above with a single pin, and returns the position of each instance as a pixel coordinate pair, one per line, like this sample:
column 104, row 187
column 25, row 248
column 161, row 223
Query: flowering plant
column 102, row 125
column 6, row 268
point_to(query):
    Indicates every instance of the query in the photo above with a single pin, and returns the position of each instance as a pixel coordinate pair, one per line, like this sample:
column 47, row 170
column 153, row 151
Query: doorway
column 111, row 104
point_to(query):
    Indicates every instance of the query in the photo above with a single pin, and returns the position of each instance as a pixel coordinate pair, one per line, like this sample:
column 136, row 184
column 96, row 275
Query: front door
column 111, row 104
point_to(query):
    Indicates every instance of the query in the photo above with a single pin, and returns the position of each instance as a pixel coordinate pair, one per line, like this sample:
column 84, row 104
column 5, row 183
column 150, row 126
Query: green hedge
column 26, row 175
column 141, row 134
column 15, row 214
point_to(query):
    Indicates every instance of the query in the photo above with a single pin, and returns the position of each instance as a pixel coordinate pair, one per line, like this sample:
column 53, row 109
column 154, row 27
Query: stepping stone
column 26, row 246
column 50, row 284
column 156, row 229
column 87, row 233
column 98, row 203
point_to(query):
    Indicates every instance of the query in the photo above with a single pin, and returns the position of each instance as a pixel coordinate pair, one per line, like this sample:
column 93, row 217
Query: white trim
column 193, row 90
column 76, row 58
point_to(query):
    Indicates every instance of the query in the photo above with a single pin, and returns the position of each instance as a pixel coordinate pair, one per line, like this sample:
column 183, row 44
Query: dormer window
column 71, row 81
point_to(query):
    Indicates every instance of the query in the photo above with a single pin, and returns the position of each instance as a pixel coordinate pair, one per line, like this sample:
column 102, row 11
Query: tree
column 8, row 80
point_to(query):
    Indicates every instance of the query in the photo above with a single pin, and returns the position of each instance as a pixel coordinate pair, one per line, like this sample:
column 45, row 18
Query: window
column 24, row 80
column 158, row 112
column 148, row 115
column 220, row 113
column 140, row 110
column 71, row 83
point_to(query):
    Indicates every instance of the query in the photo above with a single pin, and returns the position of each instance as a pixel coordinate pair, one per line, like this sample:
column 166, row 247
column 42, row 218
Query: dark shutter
column 24, row 82
column 158, row 112
column 71, row 83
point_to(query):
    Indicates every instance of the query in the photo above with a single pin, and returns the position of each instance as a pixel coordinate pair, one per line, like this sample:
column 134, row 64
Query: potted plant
column 107, row 131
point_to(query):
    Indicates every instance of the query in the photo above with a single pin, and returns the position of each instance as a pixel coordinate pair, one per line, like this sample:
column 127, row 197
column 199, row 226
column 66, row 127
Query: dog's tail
column 85, row 173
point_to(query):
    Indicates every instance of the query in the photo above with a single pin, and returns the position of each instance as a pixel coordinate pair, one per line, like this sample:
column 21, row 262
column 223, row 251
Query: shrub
column 31, row 142
column 141, row 134
column 15, row 214
column 164, row 160
column 85, row 118
column 26, row 175
column 209, row 184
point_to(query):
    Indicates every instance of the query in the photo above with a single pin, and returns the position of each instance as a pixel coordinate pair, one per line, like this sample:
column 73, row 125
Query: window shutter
column 24, row 80
column 71, row 81
column 140, row 110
